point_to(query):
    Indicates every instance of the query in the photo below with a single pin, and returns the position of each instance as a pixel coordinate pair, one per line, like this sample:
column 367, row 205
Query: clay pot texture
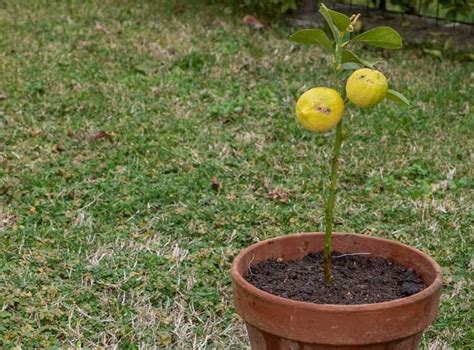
column 276, row 323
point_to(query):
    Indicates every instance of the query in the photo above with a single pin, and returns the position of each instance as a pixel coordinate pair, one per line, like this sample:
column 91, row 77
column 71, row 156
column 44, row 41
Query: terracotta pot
column 276, row 323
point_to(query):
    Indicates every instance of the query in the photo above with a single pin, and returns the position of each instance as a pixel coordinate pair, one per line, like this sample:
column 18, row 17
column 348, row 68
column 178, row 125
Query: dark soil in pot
column 358, row 279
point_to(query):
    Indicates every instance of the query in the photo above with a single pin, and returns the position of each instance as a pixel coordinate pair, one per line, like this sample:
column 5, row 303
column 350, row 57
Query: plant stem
column 328, row 277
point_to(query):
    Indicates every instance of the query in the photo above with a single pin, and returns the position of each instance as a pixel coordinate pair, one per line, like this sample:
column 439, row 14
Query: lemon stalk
column 328, row 276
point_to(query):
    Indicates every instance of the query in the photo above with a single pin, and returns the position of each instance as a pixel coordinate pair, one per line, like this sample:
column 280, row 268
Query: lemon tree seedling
column 320, row 109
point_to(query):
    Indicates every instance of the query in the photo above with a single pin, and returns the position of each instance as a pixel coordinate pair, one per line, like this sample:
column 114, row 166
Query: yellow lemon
column 319, row 109
column 366, row 87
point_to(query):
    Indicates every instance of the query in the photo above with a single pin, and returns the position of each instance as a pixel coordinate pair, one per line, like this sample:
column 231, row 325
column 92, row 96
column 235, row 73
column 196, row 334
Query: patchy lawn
column 115, row 117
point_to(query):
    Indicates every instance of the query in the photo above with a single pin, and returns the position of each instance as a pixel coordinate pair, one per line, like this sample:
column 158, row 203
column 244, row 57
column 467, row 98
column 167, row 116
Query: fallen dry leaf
column 6, row 219
column 215, row 184
column 100, row 135
column 100, row 27
column 278, row 195
column 35, row 132
column 253, row 22
column 59, row 148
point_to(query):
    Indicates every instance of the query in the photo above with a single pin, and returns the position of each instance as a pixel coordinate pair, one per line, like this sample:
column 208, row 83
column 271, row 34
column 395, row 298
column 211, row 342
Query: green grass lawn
column 114, row 117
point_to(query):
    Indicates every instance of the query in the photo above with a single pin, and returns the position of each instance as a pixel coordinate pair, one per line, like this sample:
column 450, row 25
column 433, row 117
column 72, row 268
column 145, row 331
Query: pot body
column 276, row 323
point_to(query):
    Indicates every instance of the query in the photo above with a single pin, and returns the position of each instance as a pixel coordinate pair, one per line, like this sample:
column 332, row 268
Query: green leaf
column 312, row 37
column 397, row 97
column 433, row 52
column 346, row 38
column 350, row 66
column 384, row 37
column 340, row 20
column 349, row 56
column 327, row 16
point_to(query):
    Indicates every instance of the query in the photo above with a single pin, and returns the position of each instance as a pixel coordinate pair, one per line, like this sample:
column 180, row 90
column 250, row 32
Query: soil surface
column 358, row 279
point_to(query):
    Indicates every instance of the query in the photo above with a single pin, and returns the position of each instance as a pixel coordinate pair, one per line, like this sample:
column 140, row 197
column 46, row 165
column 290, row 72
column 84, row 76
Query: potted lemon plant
column 337, row 290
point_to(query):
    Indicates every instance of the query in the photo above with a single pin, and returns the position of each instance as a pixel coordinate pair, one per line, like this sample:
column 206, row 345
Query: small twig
column 343, row 255
column 250, row 263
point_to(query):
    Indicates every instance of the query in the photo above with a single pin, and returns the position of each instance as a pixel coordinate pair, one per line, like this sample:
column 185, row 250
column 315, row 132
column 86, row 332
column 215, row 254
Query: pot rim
column 429, row 290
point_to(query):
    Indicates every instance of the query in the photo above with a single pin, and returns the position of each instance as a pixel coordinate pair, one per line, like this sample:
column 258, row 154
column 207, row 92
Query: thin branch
column 343, row 255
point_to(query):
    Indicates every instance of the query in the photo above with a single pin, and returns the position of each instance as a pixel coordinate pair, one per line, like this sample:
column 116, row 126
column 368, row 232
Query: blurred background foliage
column 451, row 10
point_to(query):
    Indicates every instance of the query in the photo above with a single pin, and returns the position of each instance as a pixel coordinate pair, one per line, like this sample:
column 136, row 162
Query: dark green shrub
column 457, row 8
column 269, row 7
